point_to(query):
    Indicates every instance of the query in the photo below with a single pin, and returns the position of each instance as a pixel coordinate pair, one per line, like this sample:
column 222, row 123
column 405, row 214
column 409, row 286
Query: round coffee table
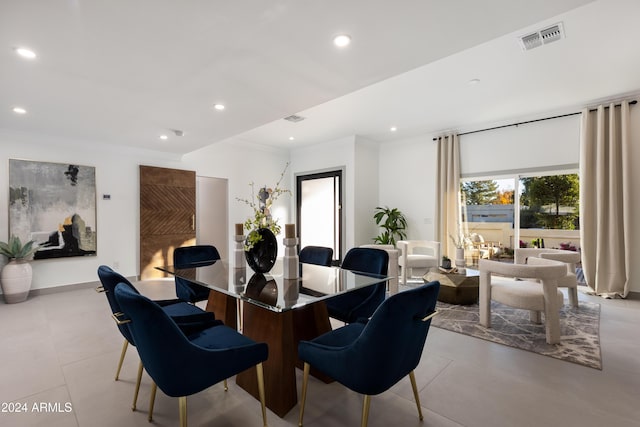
column 459, row 289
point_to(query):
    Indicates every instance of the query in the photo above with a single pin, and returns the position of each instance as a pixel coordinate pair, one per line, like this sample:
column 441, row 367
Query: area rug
column 579, row 330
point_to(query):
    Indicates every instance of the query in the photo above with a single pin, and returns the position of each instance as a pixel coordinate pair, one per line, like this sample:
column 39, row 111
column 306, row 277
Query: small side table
column 459, row 289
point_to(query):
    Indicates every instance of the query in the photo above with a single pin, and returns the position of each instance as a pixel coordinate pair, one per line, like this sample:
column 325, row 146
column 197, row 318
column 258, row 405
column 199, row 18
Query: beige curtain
column 448, row 193
column 605, row 194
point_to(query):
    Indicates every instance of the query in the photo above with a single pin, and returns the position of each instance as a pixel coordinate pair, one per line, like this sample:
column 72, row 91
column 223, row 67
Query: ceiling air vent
column 294, row 119
column 541, row 37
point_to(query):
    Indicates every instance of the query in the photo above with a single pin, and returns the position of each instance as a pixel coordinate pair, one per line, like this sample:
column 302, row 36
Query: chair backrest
column 392, row 269
column 396, row 335
column 186, row 256
column 178, row 364
column 109, row 279
column 536, row 268
column 366, row 260
column 571, row 258
column 430, row 248
column 318, row 255
column 161, row 345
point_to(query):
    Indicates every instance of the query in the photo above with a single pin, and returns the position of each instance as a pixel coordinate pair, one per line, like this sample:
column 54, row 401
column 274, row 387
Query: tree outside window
column 550, row 202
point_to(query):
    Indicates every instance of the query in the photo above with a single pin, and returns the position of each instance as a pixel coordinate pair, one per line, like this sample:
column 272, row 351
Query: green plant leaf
column 393, row 222
column 15, row 249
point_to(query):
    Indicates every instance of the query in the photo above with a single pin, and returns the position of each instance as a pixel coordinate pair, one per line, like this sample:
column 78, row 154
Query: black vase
column 261, row 289
column 262, row 256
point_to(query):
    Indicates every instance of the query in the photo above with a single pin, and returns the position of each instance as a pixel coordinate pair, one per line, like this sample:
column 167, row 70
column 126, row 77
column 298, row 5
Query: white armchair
column 392, row 270
column 480, row 248
column 417, row 254
column 570, row 258
column 537, row 296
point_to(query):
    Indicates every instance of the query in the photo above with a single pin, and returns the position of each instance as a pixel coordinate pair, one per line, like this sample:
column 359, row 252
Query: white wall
column 407, row 182
column 366, row 190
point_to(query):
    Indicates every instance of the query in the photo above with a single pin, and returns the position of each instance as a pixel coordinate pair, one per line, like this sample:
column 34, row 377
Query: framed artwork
column 55, row 205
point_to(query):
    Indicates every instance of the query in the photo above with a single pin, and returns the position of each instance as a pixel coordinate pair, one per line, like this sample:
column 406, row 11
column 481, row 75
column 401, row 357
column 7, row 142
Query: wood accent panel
column 167, row 216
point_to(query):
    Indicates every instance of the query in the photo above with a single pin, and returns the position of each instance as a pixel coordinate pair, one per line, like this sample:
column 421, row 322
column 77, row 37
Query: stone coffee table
column 459, row 289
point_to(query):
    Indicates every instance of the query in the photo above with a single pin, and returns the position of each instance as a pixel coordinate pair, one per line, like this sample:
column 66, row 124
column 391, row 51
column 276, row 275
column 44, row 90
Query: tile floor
column 58, row 355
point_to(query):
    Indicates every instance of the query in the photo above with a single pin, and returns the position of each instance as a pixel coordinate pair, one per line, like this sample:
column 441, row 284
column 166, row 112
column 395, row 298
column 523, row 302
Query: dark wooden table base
column 282, row 332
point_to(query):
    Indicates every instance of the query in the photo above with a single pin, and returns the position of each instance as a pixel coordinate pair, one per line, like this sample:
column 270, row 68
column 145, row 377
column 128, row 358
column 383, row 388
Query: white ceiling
column 124, row 72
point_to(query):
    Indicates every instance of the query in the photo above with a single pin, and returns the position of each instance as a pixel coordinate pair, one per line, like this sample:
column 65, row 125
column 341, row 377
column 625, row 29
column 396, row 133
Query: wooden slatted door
column 167, row 216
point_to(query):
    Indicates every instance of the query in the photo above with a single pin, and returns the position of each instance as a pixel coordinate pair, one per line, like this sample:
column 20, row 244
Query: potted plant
column 394, row 224
column 446, row 262
column 17, row 274
column 260, row 246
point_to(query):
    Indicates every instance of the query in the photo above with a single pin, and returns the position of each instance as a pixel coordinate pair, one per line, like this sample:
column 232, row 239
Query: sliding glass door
column 549, row 214
column 500, row 214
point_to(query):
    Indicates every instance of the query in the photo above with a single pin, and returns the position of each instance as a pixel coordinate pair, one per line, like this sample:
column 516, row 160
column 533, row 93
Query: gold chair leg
column 122, row 353
column 412, row 377
column 263, row 404
column 226, row 386
column 138, row 381
column 365, row 410
column 182, row 402
column 305, row 382
column 152, row 400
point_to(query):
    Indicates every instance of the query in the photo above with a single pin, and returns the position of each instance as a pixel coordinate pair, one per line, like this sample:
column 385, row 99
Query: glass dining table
column 275, row 310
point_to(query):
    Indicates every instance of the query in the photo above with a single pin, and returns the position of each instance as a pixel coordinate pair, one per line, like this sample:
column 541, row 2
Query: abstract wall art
column 55, row 205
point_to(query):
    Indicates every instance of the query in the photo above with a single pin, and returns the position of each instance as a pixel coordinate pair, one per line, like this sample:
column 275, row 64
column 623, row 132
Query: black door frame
column 334, row 173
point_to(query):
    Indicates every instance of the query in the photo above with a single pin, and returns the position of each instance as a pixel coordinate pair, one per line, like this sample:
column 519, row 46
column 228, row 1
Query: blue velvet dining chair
column 318, row 255
column 369, row 357
column 184, row 257
column 181, row 364
column 187, row 316
column 360, row 303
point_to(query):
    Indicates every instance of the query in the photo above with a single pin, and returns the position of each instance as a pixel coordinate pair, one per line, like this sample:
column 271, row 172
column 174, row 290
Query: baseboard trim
column 633, row 296
column 67, row 288
column 63, row 288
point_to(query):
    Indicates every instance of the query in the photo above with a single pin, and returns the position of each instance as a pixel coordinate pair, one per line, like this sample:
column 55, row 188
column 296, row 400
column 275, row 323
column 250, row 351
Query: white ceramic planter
column 16, row 281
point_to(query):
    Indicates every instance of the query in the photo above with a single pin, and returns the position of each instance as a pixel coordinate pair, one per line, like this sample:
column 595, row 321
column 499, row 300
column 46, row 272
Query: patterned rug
column 579, row 330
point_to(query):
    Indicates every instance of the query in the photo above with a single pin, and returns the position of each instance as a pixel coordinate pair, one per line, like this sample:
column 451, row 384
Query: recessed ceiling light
column 164, row 137
column 393, row 128
column 342, row 40
column 474, row 81
column 291, row 138
column 219, row 107
column 25, row 53
column 19, row 110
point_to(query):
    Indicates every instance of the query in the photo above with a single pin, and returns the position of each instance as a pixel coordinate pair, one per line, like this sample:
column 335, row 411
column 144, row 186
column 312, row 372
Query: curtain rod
column 533, row 121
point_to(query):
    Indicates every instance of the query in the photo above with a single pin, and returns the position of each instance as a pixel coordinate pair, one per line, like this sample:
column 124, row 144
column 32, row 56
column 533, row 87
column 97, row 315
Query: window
column 549, row 211
column 544, row 214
